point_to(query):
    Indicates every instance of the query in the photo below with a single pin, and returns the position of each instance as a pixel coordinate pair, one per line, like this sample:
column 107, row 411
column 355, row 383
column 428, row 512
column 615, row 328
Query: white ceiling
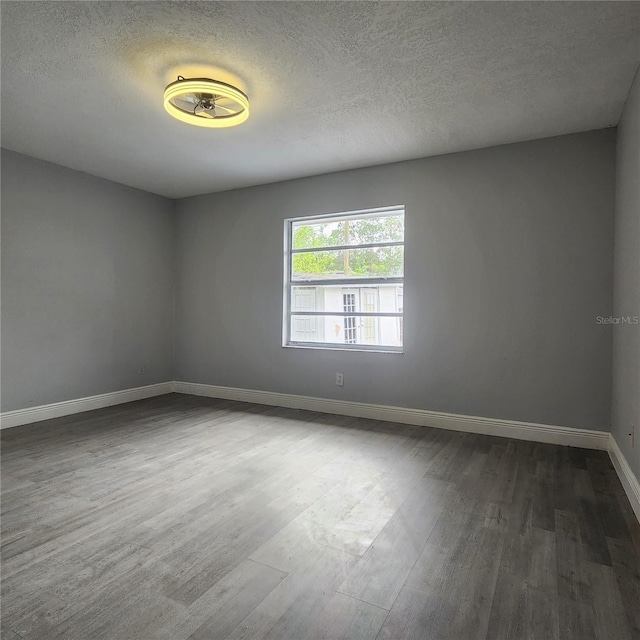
column 332, row 85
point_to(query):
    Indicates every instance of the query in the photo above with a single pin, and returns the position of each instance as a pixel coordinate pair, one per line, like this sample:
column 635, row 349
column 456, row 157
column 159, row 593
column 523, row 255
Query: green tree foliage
column 314, row 263
column 372, row 261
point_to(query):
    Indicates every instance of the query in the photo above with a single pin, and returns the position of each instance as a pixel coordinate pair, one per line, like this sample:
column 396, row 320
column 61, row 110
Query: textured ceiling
column 333, row 85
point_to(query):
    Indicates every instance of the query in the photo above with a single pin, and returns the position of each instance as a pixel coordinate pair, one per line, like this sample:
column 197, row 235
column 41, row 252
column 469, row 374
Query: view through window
column 345, row 280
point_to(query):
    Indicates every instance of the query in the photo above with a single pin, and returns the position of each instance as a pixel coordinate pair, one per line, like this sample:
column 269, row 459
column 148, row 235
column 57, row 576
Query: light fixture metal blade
column 221, row 106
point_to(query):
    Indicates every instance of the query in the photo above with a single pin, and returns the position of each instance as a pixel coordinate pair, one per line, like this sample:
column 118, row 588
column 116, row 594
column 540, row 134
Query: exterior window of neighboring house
column 350, row 322
column 344, row 280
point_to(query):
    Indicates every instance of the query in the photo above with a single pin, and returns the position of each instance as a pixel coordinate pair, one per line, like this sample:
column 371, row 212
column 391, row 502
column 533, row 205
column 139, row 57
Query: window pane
column 347, row 330
column 360, row 278
column 345, row 231
column 383, row 298
column 374, row 262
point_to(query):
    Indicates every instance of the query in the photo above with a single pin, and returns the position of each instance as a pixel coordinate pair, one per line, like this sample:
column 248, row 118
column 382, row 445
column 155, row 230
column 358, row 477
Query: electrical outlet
column 340, row 379
column 141, row 370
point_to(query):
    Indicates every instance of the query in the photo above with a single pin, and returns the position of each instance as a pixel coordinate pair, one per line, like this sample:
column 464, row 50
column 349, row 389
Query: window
column 345, row 280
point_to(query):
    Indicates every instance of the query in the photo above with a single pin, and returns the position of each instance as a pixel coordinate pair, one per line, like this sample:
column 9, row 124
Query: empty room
column 320, row 320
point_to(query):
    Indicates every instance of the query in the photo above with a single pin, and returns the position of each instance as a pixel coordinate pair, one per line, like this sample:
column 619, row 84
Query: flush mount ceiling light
column 206, row 103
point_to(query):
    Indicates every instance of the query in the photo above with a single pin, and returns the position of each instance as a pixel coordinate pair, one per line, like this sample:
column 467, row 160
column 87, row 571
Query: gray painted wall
column 509, row 260
column 87, row 284
column 626, row 338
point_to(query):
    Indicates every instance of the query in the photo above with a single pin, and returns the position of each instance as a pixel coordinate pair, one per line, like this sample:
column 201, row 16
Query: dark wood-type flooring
column 181, row 517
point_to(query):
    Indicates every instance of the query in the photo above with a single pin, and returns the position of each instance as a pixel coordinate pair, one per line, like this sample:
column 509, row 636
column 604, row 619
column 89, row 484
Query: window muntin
column 344, row 280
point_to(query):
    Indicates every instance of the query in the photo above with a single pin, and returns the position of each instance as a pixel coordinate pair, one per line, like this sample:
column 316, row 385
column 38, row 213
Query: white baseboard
column 550, row 434
column 627, row 477
column 68, row 407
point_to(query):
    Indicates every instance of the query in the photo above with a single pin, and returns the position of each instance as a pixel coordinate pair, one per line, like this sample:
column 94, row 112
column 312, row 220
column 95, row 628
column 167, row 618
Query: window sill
column 315, row 347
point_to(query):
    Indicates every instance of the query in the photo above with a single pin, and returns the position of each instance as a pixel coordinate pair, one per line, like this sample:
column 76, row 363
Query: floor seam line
column 264, row 564
column 377, row 606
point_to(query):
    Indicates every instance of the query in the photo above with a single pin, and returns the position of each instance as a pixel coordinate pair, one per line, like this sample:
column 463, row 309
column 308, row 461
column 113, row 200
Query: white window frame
column 345, row 283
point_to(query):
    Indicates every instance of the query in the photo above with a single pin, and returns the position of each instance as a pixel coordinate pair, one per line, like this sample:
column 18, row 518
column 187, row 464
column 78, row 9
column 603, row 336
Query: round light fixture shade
column 206, row 103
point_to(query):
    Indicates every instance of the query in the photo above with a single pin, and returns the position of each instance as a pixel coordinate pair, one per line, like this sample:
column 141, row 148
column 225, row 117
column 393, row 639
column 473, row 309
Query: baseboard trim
column 627, row 477
column 550, row 434
column 545, row 433
column 57, row 409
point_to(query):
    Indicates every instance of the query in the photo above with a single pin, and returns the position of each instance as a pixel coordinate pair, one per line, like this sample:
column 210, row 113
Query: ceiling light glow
column 206, row 103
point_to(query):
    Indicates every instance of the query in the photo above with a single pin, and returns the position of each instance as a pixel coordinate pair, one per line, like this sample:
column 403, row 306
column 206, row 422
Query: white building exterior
column 366, row 330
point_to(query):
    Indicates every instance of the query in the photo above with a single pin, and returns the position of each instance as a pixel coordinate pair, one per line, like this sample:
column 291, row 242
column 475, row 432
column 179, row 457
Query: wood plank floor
column 188, row 518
